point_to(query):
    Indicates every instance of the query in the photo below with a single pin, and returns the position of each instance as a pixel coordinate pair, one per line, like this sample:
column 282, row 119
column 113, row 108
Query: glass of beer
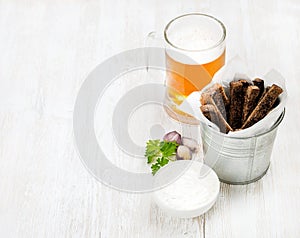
column 201, row 39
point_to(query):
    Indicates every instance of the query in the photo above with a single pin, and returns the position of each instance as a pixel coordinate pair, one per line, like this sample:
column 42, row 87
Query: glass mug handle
column 153, row 40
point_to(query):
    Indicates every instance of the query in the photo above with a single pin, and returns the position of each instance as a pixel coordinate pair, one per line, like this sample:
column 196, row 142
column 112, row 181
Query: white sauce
column 190, row 191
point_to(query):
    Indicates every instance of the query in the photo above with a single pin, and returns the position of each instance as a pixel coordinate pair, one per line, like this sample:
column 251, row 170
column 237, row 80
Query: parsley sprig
column 159, row 153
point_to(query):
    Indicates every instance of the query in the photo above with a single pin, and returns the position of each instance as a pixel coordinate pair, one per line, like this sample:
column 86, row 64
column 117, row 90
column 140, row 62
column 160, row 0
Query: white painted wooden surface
column 47, row 48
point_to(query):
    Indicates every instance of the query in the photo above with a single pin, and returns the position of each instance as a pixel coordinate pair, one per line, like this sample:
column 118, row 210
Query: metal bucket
column 238, row 160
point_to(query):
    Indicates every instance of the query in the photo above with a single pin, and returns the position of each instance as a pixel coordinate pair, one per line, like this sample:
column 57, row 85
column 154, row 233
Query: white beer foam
column 200, row 40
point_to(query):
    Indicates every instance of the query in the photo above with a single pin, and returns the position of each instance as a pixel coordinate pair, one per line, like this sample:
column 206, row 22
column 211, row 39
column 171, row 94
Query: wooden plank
column 48, row 48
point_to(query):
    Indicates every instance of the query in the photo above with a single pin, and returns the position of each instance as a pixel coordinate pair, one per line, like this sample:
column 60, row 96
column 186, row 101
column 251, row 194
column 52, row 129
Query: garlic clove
column 183, row 153
column 190, row 143
column 173, row 136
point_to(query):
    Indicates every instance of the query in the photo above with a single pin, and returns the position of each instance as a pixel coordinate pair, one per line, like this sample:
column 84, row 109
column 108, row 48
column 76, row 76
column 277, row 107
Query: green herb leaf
column 159, row 153
column 152, row 150
column 159, row 163
column 168, row 148
column 155, row 167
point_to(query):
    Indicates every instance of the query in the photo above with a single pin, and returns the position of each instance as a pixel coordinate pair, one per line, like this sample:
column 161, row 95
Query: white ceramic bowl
column 188, row 188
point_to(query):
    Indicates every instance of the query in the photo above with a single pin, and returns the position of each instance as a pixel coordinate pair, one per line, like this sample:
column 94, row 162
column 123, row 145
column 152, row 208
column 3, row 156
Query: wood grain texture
column 49, row 47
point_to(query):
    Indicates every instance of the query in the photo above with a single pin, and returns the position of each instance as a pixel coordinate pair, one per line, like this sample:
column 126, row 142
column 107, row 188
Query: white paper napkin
column 236, row 69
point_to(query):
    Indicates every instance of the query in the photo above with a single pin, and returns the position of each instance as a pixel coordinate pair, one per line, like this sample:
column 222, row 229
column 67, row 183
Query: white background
column 47, row 48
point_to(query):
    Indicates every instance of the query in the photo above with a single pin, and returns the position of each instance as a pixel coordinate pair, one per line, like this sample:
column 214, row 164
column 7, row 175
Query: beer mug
column 201, row 39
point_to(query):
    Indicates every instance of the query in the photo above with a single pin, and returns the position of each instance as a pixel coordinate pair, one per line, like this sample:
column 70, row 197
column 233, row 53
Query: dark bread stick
column 236, row 104
column 245, row 83
column 216, row 94
column 211, row 112
column 264, row 105
column 250, row 101
column 218, row 88
column 261, row 85
column 206, row 98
